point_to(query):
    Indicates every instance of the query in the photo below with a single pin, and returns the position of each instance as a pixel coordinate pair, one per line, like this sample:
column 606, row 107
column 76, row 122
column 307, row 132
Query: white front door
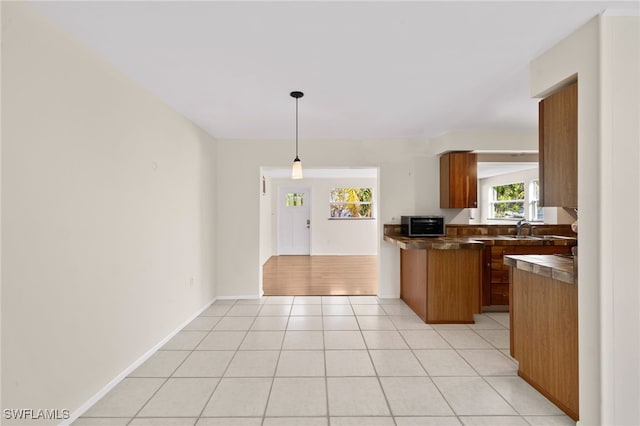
column 294, row 221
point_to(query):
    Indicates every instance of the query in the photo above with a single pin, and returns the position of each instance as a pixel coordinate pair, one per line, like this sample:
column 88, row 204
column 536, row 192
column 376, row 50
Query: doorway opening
column 319, row 236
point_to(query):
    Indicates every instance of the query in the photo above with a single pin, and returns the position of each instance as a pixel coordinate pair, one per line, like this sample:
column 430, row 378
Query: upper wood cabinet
column 558, row 150
column 458, row 180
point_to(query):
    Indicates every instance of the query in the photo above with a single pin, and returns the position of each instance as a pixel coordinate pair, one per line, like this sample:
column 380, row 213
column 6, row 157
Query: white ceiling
column 368, row 69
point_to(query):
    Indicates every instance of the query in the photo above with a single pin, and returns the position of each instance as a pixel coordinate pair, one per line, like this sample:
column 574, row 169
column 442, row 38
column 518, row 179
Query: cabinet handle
column 467, row 193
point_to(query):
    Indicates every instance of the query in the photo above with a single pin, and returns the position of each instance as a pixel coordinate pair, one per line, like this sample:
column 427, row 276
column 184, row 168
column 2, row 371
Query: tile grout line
column 326, row 372
column 375, row 370
column 273, row 379
column 225, row 370
column 429, row 376
column 167, row 379
column 493, row 348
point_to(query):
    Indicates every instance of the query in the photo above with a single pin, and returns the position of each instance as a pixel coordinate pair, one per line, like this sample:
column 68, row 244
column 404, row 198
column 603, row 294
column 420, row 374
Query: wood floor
column 320, row 275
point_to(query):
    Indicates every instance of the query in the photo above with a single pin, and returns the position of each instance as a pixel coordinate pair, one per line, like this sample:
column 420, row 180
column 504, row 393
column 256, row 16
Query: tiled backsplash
column 543, row 229
column 457, row 230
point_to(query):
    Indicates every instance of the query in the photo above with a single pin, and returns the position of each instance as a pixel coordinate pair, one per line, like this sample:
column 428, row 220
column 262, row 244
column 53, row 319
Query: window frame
column 294, row 196
column 530, row 203
column 493, row 201
column 333, row 203
column 534, row 201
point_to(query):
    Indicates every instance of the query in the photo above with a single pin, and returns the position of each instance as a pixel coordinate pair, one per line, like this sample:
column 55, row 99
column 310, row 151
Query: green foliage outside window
column 295, row 199
column 508, row 201
column 351, row 202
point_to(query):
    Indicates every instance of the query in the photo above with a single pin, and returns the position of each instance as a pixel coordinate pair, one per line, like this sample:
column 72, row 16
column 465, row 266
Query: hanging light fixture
column 296, row 170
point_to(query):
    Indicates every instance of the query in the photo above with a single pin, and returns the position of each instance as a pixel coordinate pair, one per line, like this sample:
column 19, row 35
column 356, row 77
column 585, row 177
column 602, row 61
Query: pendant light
column 296, row 170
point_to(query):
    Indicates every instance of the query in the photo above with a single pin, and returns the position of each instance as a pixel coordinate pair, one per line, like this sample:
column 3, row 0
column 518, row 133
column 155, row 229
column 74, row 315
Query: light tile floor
column 331, row 361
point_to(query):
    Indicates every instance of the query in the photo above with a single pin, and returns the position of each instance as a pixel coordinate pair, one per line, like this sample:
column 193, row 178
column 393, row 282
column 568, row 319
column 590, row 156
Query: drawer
column 499, row 294
column 497, row 253
column 500, row 276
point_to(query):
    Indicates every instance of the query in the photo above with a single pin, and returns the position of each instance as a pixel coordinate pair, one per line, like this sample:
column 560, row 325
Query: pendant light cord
column 296, row 128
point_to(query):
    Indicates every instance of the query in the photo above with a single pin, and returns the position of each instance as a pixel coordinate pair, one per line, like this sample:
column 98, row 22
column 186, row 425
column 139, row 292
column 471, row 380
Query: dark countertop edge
column 439, row 243
column 479, row 242
column 550, row 266
column 501, row 241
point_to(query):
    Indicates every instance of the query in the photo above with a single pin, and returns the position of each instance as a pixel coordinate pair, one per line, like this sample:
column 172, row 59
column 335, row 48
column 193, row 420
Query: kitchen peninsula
column 440, row 278
column 544, row 326
column 445, row 279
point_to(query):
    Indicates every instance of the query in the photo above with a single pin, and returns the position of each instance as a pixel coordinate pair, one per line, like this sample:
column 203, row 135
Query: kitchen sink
column 537, row 237
column 521, row 237
column 555, row 237
column 564, row 255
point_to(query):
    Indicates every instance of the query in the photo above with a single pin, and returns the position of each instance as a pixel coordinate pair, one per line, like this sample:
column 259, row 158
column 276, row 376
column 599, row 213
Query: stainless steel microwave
column 423, row 226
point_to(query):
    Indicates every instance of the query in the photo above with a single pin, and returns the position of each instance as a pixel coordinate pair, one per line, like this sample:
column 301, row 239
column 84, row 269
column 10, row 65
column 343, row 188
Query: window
column 507, row 201
column 536, row 212
column 350, row 203
column 295, row 199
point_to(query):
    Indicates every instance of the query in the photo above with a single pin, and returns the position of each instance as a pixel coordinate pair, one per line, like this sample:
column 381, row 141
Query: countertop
column 434, row 243
column 559, row 268
column 475, row 242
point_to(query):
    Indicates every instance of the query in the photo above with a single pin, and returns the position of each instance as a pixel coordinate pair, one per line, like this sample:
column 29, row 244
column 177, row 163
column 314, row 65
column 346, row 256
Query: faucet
column 519, row 226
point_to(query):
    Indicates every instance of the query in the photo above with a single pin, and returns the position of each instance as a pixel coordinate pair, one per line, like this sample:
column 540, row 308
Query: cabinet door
column 486, row 276
column 500, row 294
column 558, row 148
column 413, row 280
column 458, row 180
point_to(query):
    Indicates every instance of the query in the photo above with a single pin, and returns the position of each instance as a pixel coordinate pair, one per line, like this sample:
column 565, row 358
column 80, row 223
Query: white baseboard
column 388, row 296
column 245, row 297
column 102, row 392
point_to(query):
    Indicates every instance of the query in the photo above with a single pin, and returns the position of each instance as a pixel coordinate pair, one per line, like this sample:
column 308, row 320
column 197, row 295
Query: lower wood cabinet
column 442, row 286
column 495, row 277
column 544, row 336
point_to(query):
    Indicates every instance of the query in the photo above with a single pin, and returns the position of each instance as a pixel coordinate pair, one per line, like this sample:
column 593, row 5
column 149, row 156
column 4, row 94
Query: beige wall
column 604, row 54
column 620, row 237
column 107, row 214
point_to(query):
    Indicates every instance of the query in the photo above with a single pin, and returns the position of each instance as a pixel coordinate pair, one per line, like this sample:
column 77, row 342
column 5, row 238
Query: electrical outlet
column 192, row 282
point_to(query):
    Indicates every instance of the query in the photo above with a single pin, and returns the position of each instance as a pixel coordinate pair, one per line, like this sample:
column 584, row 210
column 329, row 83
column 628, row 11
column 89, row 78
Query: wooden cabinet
column 496, row 278
column 441, row 286
column 544, row 336
column 558, row 148
column 458, row 180
column 413, row 280
column 495, row 288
